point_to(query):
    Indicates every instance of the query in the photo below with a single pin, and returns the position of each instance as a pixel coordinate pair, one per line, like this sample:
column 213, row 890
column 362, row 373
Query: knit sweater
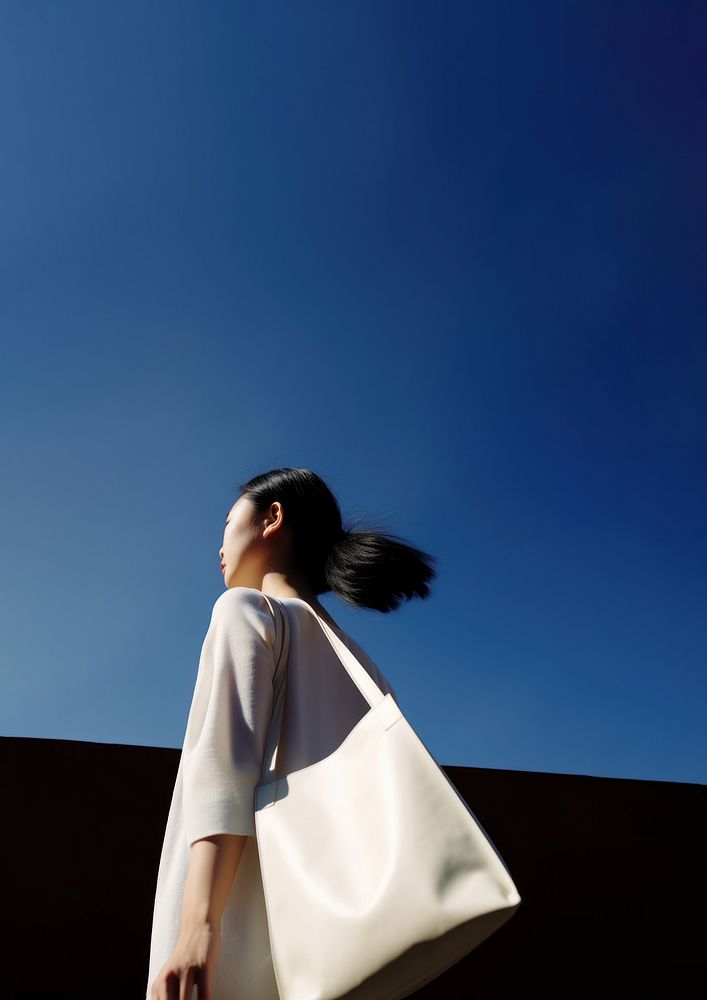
column 222, row 759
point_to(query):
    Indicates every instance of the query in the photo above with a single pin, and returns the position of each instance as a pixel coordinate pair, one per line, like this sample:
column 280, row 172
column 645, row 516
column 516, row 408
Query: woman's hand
column 212, row 868
column 191, row 964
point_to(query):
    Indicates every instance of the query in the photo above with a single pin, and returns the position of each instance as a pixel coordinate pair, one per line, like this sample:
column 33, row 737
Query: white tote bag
column 376, row 873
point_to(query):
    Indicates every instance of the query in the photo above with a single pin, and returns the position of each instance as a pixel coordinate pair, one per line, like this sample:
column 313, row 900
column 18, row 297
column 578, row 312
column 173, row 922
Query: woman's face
column 242, row 543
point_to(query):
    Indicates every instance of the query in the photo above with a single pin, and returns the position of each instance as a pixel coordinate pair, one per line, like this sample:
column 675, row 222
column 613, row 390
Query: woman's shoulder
column 240, row 597
column 244, row 607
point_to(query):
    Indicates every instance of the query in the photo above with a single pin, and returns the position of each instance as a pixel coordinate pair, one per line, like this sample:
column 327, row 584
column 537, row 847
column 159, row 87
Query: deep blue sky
column 452, row 257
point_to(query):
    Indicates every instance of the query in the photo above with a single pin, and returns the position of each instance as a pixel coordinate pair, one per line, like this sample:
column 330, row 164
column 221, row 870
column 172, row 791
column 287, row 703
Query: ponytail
column 376, row 570
column 368, row 569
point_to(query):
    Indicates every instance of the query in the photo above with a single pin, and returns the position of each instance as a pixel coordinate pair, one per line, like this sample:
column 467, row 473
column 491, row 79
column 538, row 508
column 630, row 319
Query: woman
column 283, row 538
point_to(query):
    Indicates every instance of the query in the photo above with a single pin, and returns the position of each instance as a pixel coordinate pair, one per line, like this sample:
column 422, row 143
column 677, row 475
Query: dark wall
column 611, row 873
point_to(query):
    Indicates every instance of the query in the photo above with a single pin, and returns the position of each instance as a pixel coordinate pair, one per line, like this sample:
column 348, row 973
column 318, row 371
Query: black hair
column 369, row 569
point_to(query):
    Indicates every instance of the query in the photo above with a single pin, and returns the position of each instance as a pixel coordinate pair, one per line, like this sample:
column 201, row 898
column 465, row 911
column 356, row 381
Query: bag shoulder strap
column 366, row 685
column 353, row 666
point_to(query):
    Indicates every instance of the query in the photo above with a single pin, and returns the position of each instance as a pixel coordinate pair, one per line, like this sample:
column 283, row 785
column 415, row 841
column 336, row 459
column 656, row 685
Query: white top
column 221, row 763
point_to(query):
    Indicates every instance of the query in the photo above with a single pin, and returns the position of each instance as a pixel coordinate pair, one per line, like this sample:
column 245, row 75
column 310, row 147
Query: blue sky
column 452, row 258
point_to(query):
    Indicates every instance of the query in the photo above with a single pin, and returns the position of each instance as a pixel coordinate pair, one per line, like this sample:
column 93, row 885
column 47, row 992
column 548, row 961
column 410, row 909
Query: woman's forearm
column 212, row 868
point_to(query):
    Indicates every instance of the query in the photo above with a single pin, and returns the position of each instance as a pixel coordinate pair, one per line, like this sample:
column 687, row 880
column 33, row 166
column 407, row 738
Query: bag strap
column 366, row 685
column 273, row 742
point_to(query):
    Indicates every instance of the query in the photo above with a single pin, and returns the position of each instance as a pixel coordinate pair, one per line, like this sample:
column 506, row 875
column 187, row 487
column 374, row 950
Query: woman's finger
column 186, row 984
column 172, row 985
column 203, row 980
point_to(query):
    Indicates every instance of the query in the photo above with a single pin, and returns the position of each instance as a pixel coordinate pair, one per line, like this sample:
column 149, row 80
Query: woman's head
column 287, row 521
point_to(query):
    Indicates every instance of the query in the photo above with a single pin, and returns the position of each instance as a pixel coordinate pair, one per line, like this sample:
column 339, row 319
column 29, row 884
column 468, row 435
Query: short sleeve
column 229, row 718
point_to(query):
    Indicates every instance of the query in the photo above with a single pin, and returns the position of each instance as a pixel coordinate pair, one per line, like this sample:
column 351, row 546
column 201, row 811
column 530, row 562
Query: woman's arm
column 222, row 760
column 212, row 868
column 213, row 864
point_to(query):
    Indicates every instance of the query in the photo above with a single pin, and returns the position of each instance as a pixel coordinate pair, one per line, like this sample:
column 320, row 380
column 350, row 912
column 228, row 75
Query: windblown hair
column 369, row 569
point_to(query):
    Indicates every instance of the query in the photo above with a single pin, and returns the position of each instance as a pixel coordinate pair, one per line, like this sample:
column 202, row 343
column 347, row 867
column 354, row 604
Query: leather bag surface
column 377, row 875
